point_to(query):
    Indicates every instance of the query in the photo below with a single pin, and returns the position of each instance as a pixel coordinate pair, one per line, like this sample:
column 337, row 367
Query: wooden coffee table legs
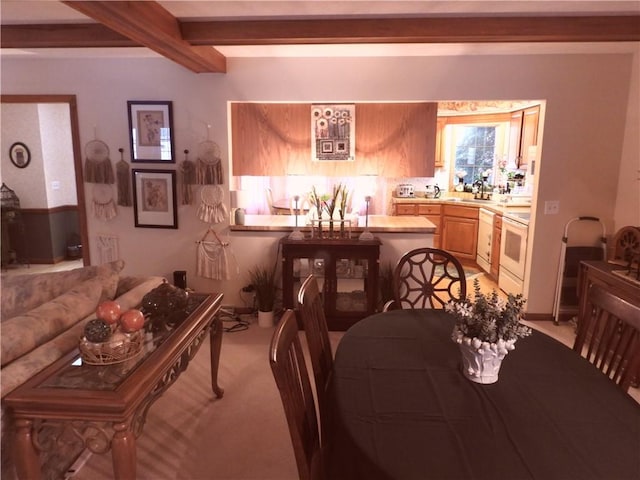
column 123, row 452
column 27, row 459
column 215, row 339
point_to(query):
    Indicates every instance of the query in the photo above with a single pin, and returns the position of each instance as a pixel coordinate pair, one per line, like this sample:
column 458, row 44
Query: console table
column 106, row 405
column 347, row 272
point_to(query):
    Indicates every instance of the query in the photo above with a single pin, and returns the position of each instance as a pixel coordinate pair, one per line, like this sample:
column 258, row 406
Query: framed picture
column 151, row 132
column 333, row 132
column 20, row 155
column 154, row 194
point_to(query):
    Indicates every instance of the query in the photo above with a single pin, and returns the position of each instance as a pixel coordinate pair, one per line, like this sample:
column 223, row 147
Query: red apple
column 108, row 311
column 131, row 320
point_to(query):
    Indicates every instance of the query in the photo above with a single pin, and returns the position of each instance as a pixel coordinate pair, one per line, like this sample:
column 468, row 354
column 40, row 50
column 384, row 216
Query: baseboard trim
column 539, row 317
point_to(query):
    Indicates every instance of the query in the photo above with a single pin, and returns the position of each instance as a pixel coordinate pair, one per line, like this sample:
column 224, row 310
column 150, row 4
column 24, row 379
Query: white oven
column 513, row 252
column 485, row 234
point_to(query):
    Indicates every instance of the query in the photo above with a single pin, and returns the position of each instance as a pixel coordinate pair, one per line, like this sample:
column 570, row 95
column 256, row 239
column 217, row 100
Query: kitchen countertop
column 377, row 224
column 494, row 206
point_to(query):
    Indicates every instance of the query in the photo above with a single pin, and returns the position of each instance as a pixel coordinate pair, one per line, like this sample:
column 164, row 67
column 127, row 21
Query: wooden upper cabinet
column 523, row 134
column 392, row 139
column 529, row 134
column 400, row 138
column 440, row 151
column 269, row 138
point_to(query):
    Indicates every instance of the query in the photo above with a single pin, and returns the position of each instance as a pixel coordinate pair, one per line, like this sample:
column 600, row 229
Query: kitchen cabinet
column 429, row 210
column 392, row 140
column 460, row 231
column 440, row 150
column 523, row 134
column 347, row 271
column 495, row 246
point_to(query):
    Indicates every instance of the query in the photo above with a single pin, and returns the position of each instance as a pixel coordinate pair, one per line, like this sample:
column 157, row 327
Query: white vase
column 481, row 361
column 265, row 319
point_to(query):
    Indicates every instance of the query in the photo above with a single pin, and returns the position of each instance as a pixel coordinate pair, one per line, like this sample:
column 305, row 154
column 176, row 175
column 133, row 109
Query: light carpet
column 191, row 435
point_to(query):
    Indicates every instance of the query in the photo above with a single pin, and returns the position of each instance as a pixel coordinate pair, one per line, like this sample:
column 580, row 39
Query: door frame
column 77, row 156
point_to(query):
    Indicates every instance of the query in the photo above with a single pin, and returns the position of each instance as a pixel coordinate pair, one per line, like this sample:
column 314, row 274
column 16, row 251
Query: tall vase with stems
column 296, row 234
column 366, row 235
column 344, row 198
column 317, row 203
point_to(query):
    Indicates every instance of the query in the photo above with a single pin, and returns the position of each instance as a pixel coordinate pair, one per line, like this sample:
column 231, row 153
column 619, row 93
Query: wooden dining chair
column 292, row 378
column 609, row 336
column 427, row 278
column 311, row 314
column 269, row 197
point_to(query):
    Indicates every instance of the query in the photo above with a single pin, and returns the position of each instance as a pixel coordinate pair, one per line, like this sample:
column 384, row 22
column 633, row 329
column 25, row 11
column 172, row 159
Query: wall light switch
column 551, row 207
column 55, row 185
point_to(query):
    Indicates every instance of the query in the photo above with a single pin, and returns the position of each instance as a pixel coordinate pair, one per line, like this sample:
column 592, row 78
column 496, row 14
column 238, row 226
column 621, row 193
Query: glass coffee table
column 106, row 405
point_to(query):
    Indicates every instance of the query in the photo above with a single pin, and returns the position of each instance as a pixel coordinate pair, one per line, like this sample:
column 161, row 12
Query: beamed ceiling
column 195, row 36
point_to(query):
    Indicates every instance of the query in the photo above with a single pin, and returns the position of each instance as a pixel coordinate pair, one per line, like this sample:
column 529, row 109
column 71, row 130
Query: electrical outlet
column 551, row 207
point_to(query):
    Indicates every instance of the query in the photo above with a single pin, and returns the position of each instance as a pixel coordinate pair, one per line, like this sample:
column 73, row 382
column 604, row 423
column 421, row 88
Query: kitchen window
column 477, row 146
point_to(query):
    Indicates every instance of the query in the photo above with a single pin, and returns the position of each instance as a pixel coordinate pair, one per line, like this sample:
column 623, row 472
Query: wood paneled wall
column 392, row 140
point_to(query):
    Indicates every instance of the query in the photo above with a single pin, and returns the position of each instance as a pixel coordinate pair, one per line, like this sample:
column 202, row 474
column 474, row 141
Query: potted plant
column 265, row 286
column 486, row 329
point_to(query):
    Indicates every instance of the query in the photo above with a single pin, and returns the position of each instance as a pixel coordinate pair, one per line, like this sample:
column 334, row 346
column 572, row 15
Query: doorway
column 70, row 101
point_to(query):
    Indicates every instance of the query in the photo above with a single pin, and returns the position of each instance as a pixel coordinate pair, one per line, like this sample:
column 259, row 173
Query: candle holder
column 366, row 235
column 297, row 233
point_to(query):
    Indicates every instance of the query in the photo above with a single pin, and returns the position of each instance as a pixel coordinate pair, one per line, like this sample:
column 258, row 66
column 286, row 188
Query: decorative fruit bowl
column 120, row 347
column 113, row 336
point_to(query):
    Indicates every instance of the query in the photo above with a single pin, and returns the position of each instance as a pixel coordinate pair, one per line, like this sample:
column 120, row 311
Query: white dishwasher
column 485, row 232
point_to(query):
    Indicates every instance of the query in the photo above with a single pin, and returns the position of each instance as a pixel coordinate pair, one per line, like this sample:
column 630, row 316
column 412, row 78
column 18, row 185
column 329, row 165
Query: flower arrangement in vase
column 486, row 329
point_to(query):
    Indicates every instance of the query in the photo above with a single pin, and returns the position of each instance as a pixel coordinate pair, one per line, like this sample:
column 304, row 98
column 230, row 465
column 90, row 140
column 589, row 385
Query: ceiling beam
column 414, row 30
column 149, row 24
column 274, row 32
column 79, row 35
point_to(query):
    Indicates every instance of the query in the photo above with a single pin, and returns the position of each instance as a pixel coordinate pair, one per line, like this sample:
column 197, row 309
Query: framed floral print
column 154, row 195
column 151, row 132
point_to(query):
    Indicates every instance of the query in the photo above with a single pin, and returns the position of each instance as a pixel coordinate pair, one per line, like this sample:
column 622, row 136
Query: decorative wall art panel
column 333, row 132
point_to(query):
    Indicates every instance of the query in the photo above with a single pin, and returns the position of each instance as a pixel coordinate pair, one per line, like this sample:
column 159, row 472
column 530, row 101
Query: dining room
column 242, row 418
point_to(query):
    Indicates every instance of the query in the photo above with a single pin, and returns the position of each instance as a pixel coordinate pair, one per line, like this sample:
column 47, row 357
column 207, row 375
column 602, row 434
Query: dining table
column 402, row 409
column 286, row 206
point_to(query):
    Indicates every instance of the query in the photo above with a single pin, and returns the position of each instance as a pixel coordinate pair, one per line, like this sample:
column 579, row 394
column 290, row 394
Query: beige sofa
column 42, row 318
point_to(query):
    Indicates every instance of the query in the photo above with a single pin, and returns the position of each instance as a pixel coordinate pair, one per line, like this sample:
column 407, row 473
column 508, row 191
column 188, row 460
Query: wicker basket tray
column 120, row 349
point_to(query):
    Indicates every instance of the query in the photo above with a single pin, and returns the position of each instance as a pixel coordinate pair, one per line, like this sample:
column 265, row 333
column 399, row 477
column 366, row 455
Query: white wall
column 28, row 183
column 628, row 195
column 587, row 105
column 57, row 154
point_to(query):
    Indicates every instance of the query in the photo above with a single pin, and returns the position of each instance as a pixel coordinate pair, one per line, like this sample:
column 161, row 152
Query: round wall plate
column 20, row 155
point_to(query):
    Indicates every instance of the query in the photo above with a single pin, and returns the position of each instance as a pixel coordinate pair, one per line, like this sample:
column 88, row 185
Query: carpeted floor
column 191, row 435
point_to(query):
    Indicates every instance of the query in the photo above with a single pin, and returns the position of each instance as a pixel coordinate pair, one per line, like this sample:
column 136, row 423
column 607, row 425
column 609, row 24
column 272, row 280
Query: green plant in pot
column 264, row 282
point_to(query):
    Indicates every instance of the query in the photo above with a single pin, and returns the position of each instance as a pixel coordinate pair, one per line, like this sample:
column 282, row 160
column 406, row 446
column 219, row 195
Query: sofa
column 42, row 317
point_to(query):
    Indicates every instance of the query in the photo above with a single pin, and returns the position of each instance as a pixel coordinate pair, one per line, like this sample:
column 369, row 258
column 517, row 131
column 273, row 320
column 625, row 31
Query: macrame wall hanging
column 212, row 208
column 209, row 164
column 104, row 208
column 213, row 257
column 187, row 178
column 107, row 248
column 97, row 164
column 124, row 181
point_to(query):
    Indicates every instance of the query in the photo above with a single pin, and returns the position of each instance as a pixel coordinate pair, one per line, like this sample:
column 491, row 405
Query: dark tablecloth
column 404, row 410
